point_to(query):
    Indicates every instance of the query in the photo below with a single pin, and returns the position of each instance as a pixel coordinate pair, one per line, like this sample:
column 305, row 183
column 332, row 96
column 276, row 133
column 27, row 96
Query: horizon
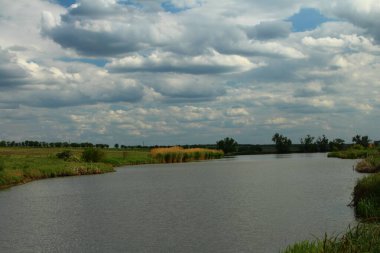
column 174, row 72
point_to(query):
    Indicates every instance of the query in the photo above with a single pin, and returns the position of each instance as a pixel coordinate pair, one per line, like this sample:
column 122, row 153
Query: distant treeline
column 42, row 144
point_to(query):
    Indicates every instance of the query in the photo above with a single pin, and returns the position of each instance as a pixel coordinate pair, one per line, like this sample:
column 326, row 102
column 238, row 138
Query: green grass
column 366, row 197
column 365, row 237
column 21, row 165
column 355, row 153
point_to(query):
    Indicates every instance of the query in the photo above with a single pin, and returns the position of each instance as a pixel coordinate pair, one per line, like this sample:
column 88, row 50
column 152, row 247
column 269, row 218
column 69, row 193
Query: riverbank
column 365, row 237
column 22, row 165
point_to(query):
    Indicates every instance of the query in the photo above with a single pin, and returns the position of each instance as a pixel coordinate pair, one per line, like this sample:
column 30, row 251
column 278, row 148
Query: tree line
column 42, row 144
column 308, row 144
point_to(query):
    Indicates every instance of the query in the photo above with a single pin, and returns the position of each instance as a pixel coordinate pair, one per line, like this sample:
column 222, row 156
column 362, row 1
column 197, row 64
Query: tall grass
column 365, row 237
column 371, row 164
column 178, row 154
column 366, row 197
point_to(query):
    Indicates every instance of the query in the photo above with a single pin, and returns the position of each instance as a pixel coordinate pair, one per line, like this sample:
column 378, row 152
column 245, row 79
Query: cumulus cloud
column 196, row 71
column 186, row 88
column 11, row 72
column 210, row 63
column 270, row 30
column 361, row 13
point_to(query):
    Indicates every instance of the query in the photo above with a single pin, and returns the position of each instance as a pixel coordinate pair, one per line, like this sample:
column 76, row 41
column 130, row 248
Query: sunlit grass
column 179, row 154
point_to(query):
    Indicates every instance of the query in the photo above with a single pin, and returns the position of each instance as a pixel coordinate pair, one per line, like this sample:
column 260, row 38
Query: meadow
column 20, row 165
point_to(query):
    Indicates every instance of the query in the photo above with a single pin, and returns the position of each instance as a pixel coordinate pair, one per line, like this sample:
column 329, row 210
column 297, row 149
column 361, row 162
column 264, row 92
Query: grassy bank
column 21, row 165
column 362, row 238
column 370, row 162
column 366, row 198
column 179, row 154
column 366, row 201
column 365, row 237
column 355, row 152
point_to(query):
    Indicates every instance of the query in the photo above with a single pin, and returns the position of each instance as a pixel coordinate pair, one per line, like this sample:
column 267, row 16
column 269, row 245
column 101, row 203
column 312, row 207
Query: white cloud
column 210, row 63
column 214, row 69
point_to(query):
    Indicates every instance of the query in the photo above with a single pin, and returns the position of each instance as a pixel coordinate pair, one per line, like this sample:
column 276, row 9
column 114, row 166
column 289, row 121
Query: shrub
column 92, row 155
column 65, row 155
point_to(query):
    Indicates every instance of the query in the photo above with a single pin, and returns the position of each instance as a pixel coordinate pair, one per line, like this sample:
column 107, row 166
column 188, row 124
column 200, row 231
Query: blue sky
column 188, row 71
column 307, row 19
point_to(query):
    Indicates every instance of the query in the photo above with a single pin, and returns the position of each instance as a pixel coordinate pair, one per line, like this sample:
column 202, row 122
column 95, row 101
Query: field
column 21, row 165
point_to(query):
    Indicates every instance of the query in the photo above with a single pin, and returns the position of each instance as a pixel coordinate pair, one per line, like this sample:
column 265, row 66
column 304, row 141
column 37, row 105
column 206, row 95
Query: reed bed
column 178, row 154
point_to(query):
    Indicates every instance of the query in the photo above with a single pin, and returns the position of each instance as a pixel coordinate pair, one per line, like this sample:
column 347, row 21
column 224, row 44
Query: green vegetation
column 20, row 165
column 370, row 156
column 92, row 155
column 282, row 143
column 308, row 144
column 228, row 145
column 370, row 164
column 362, row 238
column 365, row 237
column 354, row 152
column 366, row 197
column 179, row 154
column 361, row 140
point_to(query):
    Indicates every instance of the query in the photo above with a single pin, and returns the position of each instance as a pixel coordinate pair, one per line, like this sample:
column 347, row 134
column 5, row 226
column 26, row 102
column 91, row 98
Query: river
column 242, row 204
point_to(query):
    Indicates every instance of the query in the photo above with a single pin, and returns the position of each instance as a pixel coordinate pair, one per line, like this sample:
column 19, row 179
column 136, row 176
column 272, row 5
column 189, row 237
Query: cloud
column 210, row 63
column 270, row 30
column 360, row 13
column 11, row 72
column 186, row 88
column 132, row 71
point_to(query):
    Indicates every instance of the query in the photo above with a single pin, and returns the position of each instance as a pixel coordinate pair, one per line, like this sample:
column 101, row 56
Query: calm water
column 243, row 204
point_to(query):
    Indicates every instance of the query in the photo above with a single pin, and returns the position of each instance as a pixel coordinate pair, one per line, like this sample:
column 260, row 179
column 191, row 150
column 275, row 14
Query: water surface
column 242, row 204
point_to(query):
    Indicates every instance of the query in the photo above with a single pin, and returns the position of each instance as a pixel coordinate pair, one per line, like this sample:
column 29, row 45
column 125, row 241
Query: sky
column 188, row 71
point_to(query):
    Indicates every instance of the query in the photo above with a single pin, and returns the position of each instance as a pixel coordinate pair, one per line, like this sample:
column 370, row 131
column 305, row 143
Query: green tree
column 228, row 145
column 322, row 143
column 282, row 143
column 361, row 140
column 116, row 145
column 308, row 144
column 336, row 144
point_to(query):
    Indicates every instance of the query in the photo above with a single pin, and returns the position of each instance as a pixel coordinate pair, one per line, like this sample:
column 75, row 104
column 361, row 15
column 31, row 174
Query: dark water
column 244, row 204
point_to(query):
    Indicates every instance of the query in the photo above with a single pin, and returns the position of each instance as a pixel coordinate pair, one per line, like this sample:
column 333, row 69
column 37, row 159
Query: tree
column 228, row 145
column 322, row 143
column 308, row 144
column 282, row 143
column 336, row 144
column 116, row 145
column 361, row 140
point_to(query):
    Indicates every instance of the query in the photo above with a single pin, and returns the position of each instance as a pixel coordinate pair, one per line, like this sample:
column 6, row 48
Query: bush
column 2, row 164
column 92, row 155
column 65, row 155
